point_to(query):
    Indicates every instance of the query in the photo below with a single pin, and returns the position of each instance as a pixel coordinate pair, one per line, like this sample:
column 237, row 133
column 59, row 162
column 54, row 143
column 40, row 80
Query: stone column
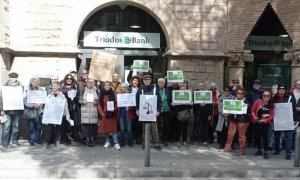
column 236, row 65
column 294, row 57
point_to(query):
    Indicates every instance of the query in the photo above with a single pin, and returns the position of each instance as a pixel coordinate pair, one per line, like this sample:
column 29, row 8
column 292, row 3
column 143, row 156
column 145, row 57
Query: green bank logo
column 127, row 40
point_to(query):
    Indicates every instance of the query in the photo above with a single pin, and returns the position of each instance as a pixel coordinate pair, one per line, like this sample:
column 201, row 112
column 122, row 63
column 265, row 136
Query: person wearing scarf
column 108, row 122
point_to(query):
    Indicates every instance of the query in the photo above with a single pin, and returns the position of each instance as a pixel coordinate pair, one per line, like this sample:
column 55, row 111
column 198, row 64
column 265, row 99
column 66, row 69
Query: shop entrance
column 128, row 32
column 268, row 41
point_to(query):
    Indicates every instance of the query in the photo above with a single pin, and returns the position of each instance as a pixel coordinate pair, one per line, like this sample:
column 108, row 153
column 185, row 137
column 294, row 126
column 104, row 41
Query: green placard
column 175, row 76
column 233, row 105
column 202, row 97
column 141, row 65
column 181, row 97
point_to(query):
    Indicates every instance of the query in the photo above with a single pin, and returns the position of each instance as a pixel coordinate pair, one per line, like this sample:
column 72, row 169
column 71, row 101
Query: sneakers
column 266, row 155
column 5, row 146
column 106, row 145
column 258, row 153
column 117, row 146
column 185, row 144
column 45, row 146
column 15, row 143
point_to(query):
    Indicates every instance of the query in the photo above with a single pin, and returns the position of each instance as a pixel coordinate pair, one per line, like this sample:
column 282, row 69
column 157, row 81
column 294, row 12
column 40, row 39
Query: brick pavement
column 85, row 162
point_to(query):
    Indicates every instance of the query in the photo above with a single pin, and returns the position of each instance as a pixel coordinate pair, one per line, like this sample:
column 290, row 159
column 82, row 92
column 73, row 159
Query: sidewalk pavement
column 172, row 162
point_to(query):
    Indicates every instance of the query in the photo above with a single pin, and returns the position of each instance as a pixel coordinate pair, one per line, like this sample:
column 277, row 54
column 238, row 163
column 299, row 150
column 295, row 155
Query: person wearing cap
column 150, row 89
column 252, row 95
column 282, row 97
column 89, row 113
column 13, row 116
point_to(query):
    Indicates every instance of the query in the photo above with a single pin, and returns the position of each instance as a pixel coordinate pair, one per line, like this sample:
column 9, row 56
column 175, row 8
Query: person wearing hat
column 150, row 89
column 252, row 95
column 282, row 97
column 13, row 116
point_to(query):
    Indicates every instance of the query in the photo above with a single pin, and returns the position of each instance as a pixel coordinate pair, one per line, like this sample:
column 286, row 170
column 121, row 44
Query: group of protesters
column 87, row 112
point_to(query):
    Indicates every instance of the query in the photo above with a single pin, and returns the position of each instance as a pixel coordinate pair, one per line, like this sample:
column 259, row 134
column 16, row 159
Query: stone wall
column 4, row 23
column 199, row 69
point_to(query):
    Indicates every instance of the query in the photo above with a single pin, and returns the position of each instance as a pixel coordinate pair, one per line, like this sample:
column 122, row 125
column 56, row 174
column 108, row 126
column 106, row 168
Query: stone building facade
column 205, row 38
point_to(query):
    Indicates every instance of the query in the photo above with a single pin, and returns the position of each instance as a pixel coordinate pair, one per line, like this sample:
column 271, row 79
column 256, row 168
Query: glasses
column 266, row 95
column 226, row 90
column 68, row 78
column 281, row 88
column 147, row 79
column 235, row 82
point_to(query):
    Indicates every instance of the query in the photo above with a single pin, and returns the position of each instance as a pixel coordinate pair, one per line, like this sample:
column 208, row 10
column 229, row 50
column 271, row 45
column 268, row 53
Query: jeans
column 270, row 133
column 34, row 130
column 288, row 140
column 114, row 136
column 200, row 128
column 125, row 125
column 12, row 120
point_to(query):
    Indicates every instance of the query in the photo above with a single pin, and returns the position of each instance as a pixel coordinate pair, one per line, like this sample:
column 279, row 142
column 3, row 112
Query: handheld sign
column 202, row 97
column 126, row 100
column 233, row 106
column 283, row 119
column 12, row 98
column 36, row 96
column 181, row 97
column 141, row 65
column 175, row 76
column 148, row 108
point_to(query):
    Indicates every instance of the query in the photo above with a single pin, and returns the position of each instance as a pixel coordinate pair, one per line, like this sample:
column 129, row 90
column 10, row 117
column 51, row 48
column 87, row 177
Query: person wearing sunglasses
column 282, row 97
column 223, row 123
column 69, row 90
column 235, row 84
column 82, row 81
column 238, row 123
column 262, row 113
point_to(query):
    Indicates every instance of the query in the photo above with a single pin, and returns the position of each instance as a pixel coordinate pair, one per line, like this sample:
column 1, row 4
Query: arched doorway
column 268, row 41
column 112, row 24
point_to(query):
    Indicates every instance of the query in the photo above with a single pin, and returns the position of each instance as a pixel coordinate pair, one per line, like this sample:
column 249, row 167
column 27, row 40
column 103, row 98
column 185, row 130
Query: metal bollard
column 147, row 144
column 297, row 148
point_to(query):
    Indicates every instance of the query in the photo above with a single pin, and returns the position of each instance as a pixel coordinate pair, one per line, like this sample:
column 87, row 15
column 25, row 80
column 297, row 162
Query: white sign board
column 126, row 100
column 283, row 118
column 121, row 39
column 12, row 98
column 36, row 96
column 54, row 110
column 148, row 108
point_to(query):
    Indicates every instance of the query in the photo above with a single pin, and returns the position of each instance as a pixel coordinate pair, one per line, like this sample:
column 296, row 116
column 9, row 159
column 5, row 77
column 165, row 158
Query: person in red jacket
column 262, row 113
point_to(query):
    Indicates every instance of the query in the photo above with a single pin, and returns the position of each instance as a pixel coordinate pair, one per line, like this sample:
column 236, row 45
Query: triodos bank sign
column 121, row 39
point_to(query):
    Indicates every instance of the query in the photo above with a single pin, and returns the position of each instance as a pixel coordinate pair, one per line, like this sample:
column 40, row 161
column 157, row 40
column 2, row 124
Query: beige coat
column 89, row 113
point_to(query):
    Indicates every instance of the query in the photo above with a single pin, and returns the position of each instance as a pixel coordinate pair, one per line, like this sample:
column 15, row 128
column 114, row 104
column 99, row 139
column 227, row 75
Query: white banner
column 121, row 39
column 12, row 98
column 36, row 96
column 126, row 100
column 283, row 118
column 148, row 108
column 54, row 110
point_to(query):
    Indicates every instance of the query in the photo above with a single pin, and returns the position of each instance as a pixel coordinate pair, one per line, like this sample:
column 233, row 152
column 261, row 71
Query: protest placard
column 148, row 108
column 102, row 65
column 182, row 97
column 36, row 96
column 141, row 65
column 54, row 110
column 283, row 119
column 126, row 100
column 12, row 98
column 233, row 106
column 202, row 97
column 174, row 76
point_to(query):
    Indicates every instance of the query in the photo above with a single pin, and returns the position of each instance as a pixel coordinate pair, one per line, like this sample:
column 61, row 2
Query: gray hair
column 161, row 80
column 34, row 79
column 124, row 85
